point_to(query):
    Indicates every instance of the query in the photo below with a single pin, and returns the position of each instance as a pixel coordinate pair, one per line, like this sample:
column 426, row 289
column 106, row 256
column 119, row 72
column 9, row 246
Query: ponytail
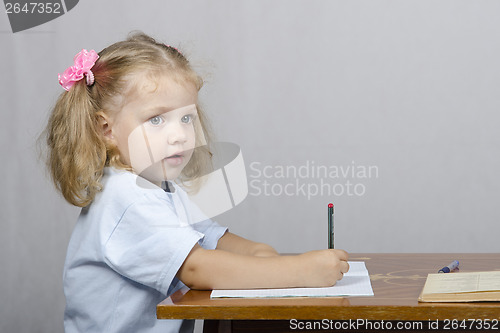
column 77, row 152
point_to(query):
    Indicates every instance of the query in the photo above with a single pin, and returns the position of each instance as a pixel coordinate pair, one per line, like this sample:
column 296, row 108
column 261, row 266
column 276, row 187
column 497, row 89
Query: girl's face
column 155, row 130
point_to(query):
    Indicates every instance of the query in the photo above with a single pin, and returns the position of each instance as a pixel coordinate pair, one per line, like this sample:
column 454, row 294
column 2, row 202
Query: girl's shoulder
column 124, row 187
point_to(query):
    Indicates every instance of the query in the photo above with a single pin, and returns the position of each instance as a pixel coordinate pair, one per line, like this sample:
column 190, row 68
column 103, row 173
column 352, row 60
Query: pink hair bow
column 84, row 61
column 173, row 47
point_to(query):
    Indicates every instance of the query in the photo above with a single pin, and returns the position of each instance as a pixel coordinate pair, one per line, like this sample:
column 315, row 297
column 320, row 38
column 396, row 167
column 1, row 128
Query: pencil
column 330, row 227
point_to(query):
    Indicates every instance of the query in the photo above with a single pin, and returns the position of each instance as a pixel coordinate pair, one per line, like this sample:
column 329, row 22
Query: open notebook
column 356, row 282
column 462, row 287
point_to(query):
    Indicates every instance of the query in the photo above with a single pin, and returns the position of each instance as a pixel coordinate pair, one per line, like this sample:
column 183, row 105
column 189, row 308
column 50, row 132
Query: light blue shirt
column 124, row 253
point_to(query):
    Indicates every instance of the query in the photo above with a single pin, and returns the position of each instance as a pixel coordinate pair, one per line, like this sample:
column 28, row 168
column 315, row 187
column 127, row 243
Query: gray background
column 411, row 87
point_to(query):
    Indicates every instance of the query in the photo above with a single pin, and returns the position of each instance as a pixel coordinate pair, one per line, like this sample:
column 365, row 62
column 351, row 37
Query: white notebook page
column 356, row 282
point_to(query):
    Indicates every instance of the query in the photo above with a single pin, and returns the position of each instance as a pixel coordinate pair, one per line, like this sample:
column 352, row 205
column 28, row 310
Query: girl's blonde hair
column 77, row 151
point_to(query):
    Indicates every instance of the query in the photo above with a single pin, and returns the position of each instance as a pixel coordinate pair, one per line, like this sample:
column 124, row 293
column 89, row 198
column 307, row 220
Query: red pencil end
column 330, row 205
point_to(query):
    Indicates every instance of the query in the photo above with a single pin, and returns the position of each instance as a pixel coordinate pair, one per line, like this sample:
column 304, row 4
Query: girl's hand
column 323, row 268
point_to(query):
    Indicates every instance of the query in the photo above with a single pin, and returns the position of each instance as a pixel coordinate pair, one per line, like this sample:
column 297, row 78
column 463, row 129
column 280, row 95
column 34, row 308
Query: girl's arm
column 236, row 244
column 218, row 269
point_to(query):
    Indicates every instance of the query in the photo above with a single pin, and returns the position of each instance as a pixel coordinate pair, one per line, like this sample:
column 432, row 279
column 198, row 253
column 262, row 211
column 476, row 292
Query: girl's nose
column 176, row 134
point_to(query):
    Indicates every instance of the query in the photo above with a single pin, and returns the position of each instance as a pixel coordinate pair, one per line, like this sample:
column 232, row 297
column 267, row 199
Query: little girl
column 123, row 138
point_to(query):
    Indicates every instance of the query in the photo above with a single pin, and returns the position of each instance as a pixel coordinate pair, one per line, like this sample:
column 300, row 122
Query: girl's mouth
column 175, row 159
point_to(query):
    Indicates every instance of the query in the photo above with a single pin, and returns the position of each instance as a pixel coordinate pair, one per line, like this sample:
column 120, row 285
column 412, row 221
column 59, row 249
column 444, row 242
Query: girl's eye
column 157, row 120
column 187, row 119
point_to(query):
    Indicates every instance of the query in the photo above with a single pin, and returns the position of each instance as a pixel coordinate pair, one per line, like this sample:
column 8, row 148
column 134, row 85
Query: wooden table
column 397, row 280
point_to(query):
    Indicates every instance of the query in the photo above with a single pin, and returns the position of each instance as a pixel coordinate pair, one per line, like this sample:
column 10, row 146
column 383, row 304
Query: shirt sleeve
column 201, row 223
column 212, row 231
column 149, row 244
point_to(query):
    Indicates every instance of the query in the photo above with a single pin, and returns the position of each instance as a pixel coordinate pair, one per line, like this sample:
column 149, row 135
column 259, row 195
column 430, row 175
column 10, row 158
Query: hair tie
column 173, row 47
column 83, row 62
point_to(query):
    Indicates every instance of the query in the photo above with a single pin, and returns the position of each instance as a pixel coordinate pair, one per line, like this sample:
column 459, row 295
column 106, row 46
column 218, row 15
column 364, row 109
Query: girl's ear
column 104, row 126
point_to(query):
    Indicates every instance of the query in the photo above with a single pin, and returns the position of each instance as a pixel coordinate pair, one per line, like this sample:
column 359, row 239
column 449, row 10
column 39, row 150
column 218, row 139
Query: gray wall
column 406, row 89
